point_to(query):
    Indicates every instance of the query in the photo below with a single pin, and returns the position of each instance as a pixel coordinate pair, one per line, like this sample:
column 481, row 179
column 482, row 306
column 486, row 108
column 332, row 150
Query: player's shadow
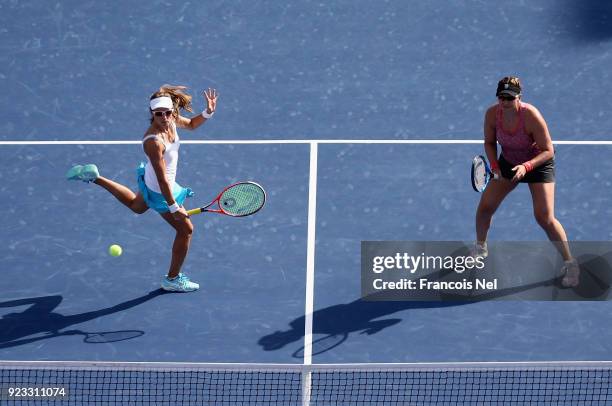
column 40, row 321
column 335, row 323
column 370, row 316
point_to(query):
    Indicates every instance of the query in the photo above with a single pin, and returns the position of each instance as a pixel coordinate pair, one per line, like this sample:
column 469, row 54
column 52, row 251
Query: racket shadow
column 104, row 337
column 40, row 321
column 323, row 344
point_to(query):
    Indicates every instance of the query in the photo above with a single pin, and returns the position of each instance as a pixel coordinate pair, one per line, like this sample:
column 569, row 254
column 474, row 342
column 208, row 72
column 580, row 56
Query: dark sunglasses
column 505, row 97
column 166, row 113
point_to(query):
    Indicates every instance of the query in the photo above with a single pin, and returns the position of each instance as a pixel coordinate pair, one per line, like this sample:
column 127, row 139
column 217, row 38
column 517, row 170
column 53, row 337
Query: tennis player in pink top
column 527, row 156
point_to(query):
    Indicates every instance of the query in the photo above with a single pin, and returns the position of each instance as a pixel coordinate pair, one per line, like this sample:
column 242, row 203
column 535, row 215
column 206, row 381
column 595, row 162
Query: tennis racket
column 237, row 200
column 481, row 173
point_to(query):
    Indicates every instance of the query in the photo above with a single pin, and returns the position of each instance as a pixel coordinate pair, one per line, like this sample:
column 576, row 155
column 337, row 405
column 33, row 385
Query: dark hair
column 510, row 83
column 180, row 99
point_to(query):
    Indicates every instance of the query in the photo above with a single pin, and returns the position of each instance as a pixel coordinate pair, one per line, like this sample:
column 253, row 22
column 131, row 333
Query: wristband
column 207, row 115
column 494, row 165
column 174, row 207
column 528, row 166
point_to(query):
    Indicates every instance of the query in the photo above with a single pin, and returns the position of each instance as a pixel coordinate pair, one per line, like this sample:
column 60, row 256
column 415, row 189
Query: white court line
column 8, row 364
column 310, row 268
column 335, row 141
column 310, row 254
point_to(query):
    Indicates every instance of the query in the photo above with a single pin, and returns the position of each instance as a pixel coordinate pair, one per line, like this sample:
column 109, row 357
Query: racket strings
column 480, row 175
column 242, row 199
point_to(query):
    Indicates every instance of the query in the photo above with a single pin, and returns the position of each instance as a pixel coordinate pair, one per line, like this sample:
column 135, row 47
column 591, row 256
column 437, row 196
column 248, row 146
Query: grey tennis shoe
column 571, row 274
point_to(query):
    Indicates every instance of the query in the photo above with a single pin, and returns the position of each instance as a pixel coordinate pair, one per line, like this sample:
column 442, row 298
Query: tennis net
column 102, row 383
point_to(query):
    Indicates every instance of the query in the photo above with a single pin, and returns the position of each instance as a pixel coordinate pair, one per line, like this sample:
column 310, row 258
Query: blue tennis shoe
column 179, row 284
column 85, row 173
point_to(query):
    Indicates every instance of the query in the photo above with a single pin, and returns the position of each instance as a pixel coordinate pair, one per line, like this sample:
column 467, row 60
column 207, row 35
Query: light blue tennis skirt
column 156, row 201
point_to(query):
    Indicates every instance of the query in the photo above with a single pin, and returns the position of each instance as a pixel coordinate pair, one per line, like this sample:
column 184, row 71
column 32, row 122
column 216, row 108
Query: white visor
column 161, row 102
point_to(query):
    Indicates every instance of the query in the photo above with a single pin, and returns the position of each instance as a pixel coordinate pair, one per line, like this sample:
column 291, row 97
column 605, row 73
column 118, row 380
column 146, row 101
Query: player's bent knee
column 139, row 210
column 186, row 228
column 138, row 207
column 545, row 220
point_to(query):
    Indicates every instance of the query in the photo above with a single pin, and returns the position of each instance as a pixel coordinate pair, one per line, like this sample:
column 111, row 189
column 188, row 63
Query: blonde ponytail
column 180, row 99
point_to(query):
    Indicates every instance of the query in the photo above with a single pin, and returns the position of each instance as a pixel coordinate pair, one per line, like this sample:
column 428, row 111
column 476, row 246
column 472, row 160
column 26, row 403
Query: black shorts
column 544, row 173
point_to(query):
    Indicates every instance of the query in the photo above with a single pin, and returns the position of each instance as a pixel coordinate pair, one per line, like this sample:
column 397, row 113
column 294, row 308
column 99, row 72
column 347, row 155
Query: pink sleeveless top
column 517, row 145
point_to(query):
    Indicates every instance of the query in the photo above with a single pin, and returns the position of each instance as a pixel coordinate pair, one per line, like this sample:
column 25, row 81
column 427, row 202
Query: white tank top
column 171, row 159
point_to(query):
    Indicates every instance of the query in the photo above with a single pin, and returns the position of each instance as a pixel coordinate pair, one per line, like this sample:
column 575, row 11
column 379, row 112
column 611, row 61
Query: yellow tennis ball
column 114, row 250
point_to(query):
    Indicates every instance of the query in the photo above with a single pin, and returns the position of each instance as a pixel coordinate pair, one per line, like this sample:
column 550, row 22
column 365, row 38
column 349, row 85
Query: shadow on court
column 338, row 321
column 588, row 20
column 40, row 318
column 362, row 316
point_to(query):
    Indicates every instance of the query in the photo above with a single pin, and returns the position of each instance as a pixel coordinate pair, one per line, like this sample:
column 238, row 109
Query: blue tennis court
column 359, row 119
